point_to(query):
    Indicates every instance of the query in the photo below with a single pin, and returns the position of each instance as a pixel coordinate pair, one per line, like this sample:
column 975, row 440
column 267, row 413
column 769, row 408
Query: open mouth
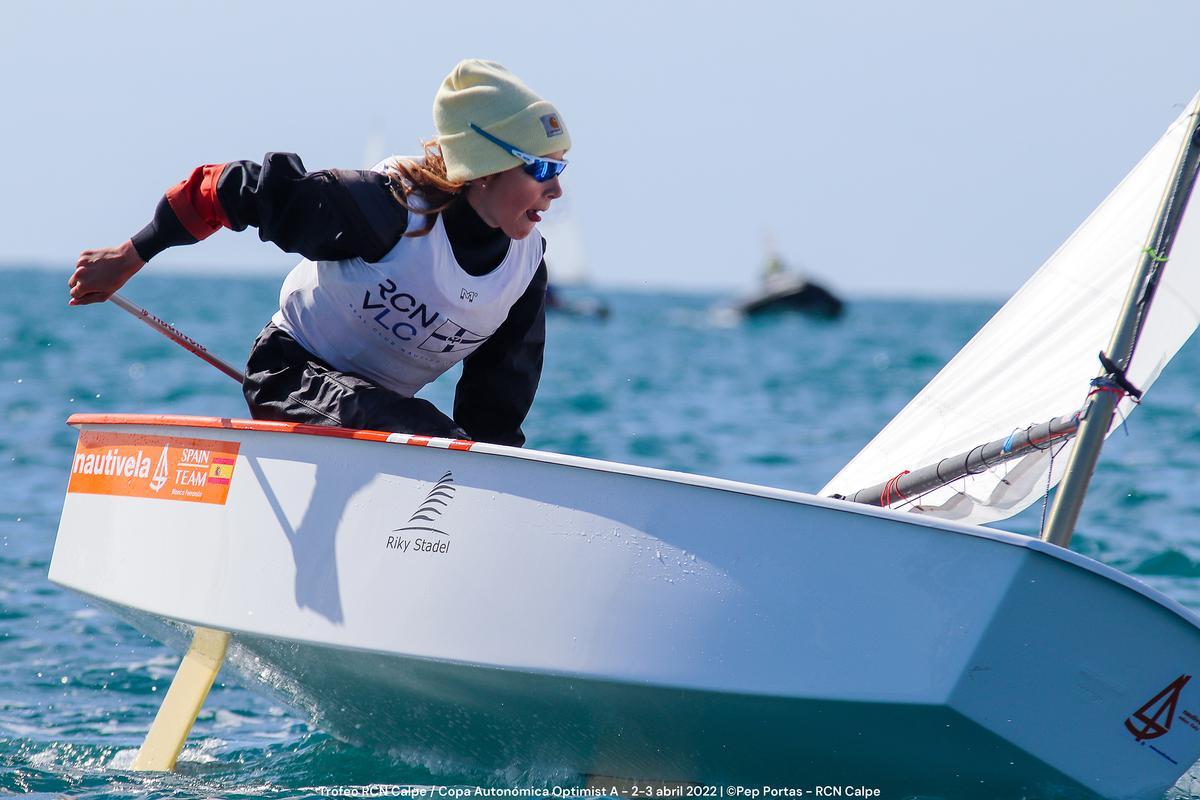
column 533, row 215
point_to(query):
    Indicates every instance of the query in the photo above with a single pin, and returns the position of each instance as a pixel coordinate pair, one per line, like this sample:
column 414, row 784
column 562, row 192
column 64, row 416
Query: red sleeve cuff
column 194, row 201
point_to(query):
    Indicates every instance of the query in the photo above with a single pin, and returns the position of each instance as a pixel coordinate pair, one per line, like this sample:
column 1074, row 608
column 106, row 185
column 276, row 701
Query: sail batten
column 1037, row 355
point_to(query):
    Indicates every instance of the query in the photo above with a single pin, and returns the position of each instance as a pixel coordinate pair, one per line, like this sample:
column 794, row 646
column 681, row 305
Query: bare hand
column 99, row 273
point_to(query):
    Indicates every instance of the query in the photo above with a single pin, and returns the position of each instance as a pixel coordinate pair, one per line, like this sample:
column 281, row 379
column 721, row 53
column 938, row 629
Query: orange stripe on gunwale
column 252, row 425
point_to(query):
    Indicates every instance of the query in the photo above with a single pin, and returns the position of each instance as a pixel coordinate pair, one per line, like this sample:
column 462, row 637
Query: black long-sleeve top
column 333, row 215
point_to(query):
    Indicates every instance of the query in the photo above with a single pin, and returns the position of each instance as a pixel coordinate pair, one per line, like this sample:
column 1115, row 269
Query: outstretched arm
column 326, row 215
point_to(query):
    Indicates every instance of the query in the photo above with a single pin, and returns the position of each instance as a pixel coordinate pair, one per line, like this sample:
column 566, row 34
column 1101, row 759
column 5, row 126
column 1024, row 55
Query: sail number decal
column 160, row 467
column 1155, row 717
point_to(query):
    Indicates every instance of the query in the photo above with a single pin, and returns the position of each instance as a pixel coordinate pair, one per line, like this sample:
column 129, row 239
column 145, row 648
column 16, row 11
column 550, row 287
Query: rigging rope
column 892, row 487
column 1049, row 485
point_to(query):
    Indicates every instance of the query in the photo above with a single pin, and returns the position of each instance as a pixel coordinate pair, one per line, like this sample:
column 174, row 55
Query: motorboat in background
column 783, row 290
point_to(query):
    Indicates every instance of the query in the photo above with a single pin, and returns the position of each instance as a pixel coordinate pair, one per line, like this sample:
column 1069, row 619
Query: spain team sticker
column 161, row 467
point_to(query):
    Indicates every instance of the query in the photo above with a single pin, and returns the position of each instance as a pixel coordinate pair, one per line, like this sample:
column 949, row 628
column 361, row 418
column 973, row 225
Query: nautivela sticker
column 159, row 467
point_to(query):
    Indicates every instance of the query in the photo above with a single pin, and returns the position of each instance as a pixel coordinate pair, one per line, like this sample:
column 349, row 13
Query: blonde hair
column 426, row 178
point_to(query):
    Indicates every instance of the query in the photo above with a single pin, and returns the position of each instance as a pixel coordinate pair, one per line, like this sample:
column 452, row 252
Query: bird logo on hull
column 1154, row 718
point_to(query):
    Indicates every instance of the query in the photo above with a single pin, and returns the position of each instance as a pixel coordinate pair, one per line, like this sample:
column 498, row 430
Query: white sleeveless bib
column 406, row 319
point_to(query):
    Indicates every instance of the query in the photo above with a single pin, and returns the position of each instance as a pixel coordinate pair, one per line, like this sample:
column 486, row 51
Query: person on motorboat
column 409, row 268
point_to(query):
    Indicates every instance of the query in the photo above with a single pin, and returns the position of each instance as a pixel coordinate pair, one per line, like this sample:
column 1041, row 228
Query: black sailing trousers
column 286, row 383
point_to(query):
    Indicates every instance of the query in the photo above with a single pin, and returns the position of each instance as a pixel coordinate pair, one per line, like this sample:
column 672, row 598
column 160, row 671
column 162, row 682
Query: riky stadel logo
column 414, row 535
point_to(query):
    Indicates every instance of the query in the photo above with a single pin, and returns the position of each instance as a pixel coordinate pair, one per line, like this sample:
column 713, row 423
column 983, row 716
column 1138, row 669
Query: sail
column 375, row 149
column 1034, row 359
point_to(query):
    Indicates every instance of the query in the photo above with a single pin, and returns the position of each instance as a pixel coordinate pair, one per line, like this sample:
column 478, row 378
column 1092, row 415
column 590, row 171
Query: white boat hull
column 597, row 618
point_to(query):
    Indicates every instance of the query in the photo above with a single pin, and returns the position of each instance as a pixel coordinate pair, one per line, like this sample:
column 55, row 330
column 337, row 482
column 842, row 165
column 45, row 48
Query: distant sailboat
column 566, row 262
column 375, row 149
column 566, row 257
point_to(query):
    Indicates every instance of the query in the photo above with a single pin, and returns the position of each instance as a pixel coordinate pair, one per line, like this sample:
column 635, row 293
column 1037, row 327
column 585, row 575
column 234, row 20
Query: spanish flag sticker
column 221, row 470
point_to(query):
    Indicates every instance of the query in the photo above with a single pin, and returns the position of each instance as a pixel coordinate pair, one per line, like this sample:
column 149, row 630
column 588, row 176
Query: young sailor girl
column 408, row 268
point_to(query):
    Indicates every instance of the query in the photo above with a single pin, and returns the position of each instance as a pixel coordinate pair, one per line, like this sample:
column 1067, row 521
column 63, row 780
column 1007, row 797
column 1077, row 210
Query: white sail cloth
column 1033, row 361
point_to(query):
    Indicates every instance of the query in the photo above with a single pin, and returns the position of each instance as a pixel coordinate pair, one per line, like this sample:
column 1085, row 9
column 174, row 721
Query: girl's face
column 512, row 200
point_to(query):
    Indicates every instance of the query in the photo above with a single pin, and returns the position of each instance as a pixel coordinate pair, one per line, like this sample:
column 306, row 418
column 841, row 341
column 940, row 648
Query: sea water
column 664, row 382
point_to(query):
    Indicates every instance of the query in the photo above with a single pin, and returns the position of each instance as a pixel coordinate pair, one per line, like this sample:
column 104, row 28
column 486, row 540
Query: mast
column 1098, row 410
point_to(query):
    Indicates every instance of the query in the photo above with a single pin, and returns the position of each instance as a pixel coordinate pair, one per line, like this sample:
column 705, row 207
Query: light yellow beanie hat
column 485, row 93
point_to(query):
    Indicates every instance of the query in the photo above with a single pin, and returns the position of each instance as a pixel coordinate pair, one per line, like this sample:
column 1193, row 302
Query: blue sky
column 923, row 149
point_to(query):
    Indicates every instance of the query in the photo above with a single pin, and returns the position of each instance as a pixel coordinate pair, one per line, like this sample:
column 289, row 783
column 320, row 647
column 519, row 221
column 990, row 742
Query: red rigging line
column 892, row 487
